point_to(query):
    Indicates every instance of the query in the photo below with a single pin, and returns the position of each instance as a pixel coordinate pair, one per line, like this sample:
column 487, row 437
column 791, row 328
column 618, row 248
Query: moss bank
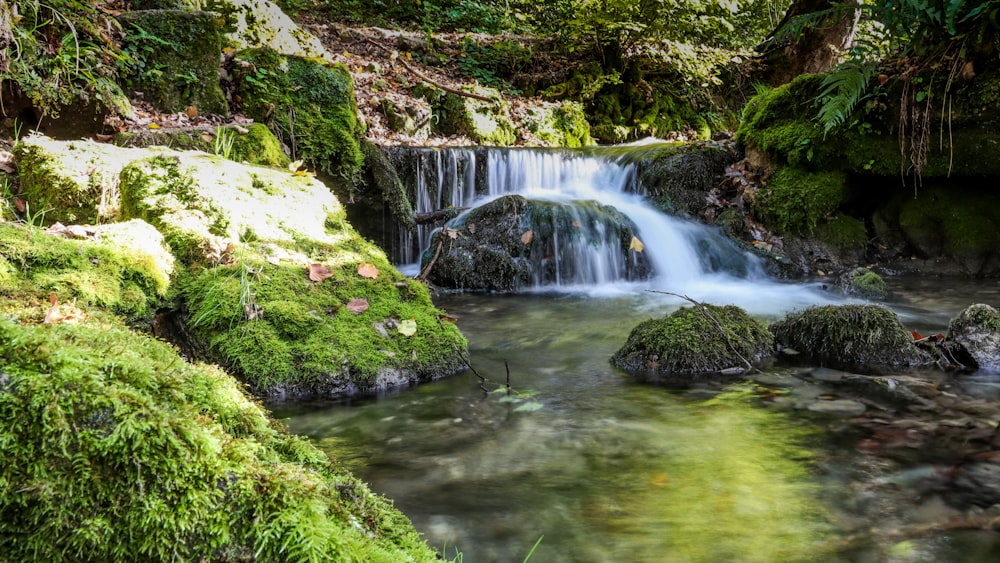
column 115, row 448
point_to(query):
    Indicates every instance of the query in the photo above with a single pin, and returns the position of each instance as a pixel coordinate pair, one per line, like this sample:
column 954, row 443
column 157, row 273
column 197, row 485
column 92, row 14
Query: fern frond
column 841, row 91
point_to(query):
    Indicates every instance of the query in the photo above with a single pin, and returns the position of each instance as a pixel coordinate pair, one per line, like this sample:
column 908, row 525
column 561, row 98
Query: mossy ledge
column 244, row 238
column 117, row 449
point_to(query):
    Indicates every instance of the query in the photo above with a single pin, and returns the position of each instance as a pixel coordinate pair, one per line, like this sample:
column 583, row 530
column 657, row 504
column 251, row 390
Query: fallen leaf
column 191, row 111
column 367, row 270
column 20, row 204
column 472, row 228
column 577, row 224
column 916, row 335
column 153, row 126
column 636, row 244
column 451, row 233
column 407, row 327
column 357, row 306
column 53, row 316
column 448, row 319
column 207, row 138
column 319, row 272
column 295, row 165
column 527, row 237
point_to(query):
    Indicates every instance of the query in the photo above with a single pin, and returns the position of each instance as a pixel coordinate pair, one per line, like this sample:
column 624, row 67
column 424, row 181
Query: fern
column 841, row 91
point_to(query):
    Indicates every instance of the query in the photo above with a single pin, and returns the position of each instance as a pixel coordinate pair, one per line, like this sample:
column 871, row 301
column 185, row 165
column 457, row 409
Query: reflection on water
column 607, row 469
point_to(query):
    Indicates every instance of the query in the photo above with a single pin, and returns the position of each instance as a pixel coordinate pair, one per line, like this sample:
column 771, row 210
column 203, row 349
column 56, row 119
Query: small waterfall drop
column 686, row 257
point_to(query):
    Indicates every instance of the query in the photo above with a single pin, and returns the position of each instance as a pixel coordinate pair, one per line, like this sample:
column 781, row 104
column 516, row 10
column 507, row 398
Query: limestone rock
column 977, row 329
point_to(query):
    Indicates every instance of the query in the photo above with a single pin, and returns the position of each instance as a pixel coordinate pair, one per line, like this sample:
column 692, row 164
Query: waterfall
column 686, row 257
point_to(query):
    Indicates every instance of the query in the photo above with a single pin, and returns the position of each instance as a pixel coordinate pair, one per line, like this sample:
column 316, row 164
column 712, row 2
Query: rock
column 485, row 123
column 511, row 242
column 838, row 407
column 856, row 338
column 688, row 342
column 977, row 329
column 679, row 177
column 977, row 484
column 185, row 47
column 864, row 283
column 562, row 124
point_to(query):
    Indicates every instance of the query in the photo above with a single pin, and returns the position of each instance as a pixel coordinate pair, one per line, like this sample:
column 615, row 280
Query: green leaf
column 529, row 406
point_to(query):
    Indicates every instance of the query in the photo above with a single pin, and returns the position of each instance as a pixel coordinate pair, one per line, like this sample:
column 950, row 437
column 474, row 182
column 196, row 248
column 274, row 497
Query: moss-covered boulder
column 695, row 340
column 857, row 338
column 484, row 122
column 561, row 124
column 977, row 329
column 679, row 176
column 178, row 54
column 123, row 268
column 310, row 104
column 69, row 182
column 864, row 283
column 262, row 23
column 115, row 448
column 512, row 242
column 255, row 144
column 249, row 238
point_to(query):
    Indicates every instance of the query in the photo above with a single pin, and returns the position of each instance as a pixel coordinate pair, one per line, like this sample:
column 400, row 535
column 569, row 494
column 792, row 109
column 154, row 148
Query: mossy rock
column 255, row 144
column 863, row 283
column 679, row 176
column 485, row 123
column 560, row 125
column 70, row 182
column 843, row 232
column 857, row 338
column 179, row 53
column 262, row 23
column 977, row 330
column 312, row 105
column 512, row 242
column 124, row 269
column 116, row 448
column 796, row 201
column 690, row 342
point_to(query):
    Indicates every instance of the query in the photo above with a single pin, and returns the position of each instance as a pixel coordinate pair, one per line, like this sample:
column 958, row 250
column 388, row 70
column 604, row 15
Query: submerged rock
column 513, row 242
column 864, row 283
column 977, row 329
column 688, row 342
column 858, row 338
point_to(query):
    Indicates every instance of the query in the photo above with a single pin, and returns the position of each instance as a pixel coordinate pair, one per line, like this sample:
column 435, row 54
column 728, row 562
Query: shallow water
column 602, row 468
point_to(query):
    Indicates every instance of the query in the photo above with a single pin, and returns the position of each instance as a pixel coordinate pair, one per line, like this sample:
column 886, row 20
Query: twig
column 722, row 331
column 425, row 78
column 507, row 367
column 422, row 276
column 482, row 380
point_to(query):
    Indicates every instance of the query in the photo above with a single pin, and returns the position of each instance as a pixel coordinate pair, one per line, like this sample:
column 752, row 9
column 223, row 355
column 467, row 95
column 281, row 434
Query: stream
column 584, row 463
column 603, row 468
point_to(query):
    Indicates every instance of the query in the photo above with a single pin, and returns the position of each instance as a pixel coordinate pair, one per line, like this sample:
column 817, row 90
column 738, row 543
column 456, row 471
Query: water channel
column 592, row 465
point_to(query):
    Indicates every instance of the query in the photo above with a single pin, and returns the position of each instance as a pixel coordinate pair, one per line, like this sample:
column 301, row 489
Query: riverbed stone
column 695, row 340
column 856, row 338
column 863, row 283
column 511, row 243
column 838, row 407
column 977, row 329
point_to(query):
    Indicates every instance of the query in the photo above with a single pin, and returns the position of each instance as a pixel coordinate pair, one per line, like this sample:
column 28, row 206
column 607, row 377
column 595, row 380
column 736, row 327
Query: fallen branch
column 422, row 276
column 714, row 321
column 437, row 215
column 431, row 81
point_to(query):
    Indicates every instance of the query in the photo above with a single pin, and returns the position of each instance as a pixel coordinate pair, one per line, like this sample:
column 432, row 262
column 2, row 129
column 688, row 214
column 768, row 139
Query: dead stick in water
column 507, row 367
column 722, row 331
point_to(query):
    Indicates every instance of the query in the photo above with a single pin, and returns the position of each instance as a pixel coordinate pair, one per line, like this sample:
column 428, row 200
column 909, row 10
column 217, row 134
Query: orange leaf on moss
column 367, row 270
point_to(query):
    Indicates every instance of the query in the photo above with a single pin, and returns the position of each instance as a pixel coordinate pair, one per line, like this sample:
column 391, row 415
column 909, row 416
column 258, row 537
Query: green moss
column 86, row 273
column 780, row 121
column 177, row 55
column 976, row 318
column 115, row 448
column 562, row 125
column 258, row 146
column 863, row 338
column 52, row 194
column 311, row 104
column 688, row 342
column 866, row 284
column 306, row 340
column 486, row 123
column 795, row 200
column 843, row 232
column 383, row 177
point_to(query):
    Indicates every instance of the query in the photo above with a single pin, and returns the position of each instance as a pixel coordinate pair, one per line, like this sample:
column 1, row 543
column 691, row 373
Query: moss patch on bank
column 115, row 448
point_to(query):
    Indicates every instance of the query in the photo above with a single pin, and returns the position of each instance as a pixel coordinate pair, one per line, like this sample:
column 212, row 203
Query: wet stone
column 838, row 407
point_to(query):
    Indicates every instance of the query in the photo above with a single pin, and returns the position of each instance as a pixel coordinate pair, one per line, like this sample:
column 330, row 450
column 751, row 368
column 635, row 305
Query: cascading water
column 686, row 257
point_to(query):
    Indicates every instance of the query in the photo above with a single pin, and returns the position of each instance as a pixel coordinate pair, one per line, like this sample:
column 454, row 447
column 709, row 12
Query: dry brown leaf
column 53, row 316
column 448, row 319
column 636, row 245
column 7, row 162
column 319, row 272
column 191, row 111
column 357, row 306
column 577, row 224
column 20, row 204
column 527, row 237
column 367, row 270
column 472, row 228
column 207, row 138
